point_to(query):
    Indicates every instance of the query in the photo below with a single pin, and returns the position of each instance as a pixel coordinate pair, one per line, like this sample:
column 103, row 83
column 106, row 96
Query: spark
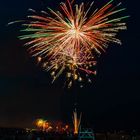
column 76, row 121
column 68, row 41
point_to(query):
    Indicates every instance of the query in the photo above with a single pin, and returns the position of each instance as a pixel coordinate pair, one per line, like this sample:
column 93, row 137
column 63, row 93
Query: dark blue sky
column 111, row 101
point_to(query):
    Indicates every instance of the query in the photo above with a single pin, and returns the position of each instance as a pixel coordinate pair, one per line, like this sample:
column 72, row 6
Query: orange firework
column 68, row 41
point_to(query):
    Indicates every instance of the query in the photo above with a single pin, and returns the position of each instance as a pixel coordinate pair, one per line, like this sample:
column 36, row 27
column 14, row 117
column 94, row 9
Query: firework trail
column 68, row 41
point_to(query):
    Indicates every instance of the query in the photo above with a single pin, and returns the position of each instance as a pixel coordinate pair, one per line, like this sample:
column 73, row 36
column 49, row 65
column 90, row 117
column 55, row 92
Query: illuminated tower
column 76, row 121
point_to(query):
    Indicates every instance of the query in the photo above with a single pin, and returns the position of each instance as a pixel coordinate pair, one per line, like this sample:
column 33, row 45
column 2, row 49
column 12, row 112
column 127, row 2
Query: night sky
column 26, row 92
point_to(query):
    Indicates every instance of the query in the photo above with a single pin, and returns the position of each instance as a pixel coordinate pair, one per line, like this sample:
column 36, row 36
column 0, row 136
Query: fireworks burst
column 68, row 41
